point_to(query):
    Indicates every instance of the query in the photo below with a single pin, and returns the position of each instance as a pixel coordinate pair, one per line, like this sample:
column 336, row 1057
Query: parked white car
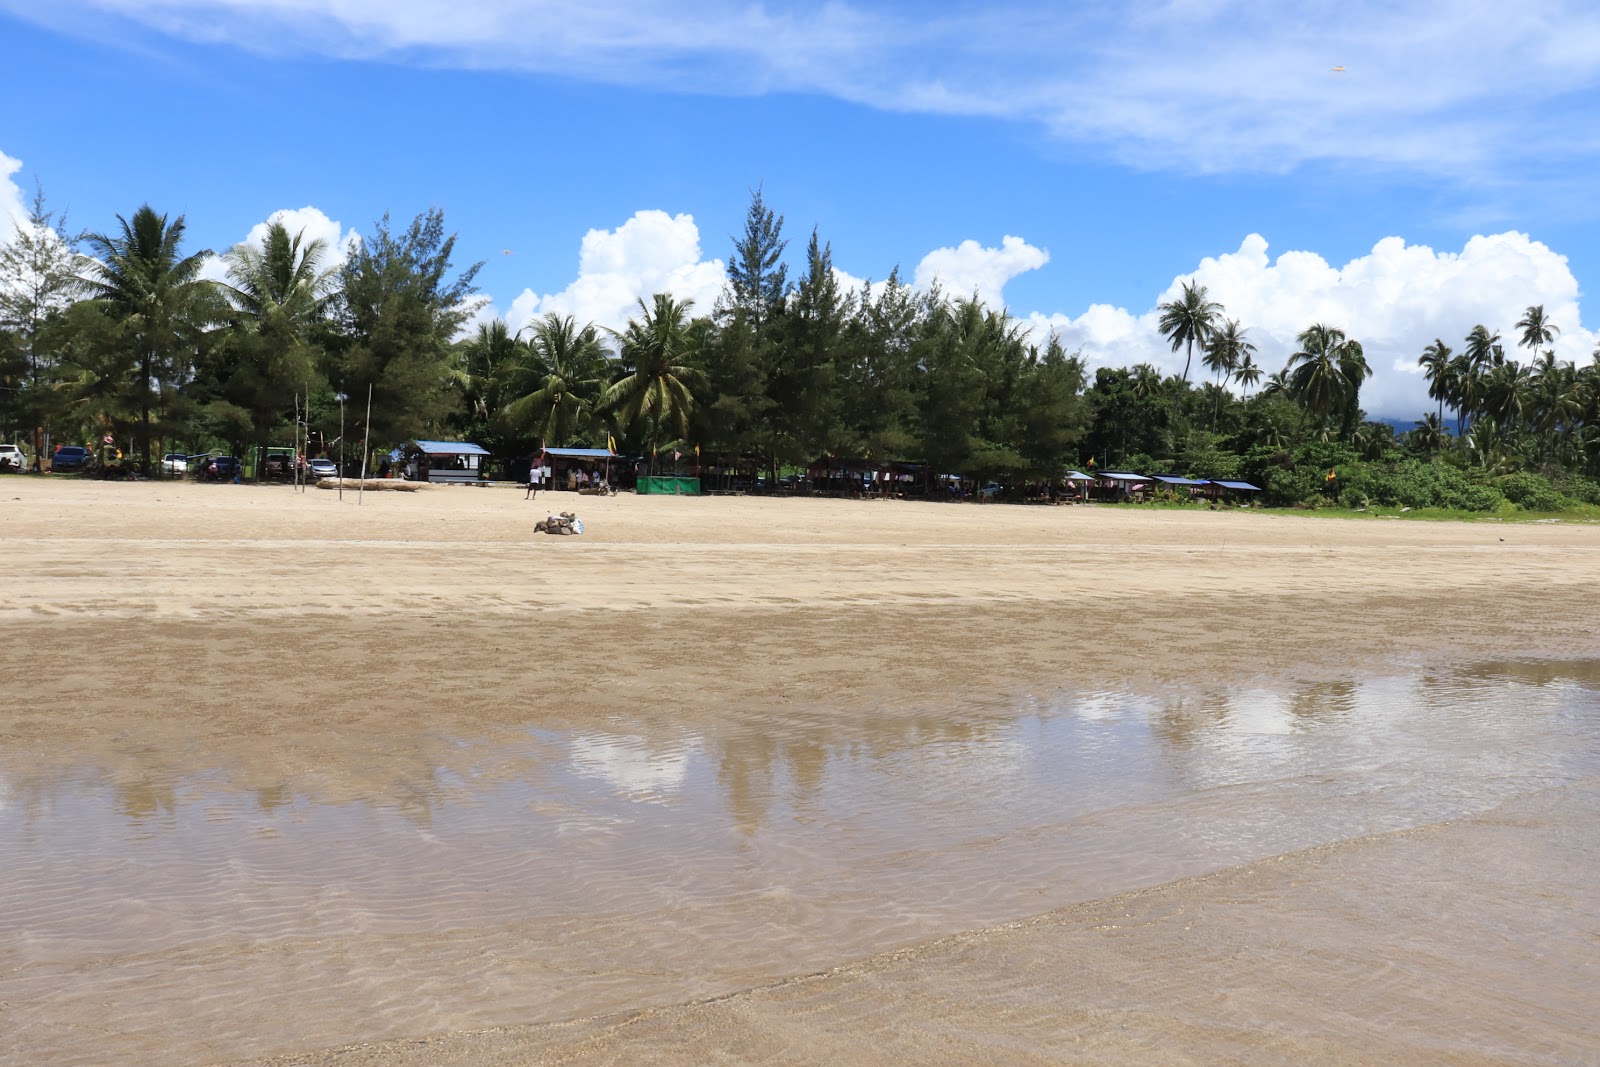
column 13, row 458
column 174, row 463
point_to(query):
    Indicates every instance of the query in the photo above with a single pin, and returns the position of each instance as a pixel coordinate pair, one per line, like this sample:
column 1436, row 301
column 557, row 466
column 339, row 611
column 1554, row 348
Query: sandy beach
column 282, row 656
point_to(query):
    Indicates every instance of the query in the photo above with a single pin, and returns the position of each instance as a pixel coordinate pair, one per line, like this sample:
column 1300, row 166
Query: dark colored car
column 71, row 459
column 278, row 466
column 216, row 468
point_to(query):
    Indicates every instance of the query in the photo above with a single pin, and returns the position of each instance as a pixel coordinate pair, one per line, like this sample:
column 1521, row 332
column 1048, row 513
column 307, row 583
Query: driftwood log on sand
column 371, row 484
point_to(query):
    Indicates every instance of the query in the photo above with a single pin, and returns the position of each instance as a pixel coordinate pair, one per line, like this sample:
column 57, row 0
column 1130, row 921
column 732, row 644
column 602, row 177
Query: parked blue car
column 71, row 459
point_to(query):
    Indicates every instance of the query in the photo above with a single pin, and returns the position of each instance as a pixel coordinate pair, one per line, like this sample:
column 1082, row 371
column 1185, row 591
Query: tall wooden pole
column 341, row 447
column 366, row 447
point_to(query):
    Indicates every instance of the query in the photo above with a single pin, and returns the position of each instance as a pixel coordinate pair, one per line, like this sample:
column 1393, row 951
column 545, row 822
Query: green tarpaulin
column 669, row 484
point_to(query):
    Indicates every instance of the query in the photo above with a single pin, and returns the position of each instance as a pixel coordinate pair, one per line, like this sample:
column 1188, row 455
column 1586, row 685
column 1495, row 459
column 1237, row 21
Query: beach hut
column 1220, row 489
column 566, row 464
column 1078, row 484
column 461, row 462
column 1122, row 485
column 1177, row 484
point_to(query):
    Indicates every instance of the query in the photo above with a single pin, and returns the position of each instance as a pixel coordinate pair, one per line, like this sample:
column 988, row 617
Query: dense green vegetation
column 115, row 333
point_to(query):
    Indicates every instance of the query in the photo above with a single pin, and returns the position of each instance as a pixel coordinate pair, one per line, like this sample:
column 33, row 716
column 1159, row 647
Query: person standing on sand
column 533, row 482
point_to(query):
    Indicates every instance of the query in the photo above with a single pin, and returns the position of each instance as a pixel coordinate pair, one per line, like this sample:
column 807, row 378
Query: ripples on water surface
column 169, row 913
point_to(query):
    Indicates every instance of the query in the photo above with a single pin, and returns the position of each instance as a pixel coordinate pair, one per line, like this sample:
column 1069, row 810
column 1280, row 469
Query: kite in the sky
column 505, row 251
column 1337, row 70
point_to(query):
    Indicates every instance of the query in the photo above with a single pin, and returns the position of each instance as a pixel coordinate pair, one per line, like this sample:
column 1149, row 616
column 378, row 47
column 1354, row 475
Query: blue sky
column 1120, row 152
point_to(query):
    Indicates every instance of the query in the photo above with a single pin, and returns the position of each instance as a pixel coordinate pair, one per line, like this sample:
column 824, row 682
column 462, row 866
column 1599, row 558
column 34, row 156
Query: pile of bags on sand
column 564, row 523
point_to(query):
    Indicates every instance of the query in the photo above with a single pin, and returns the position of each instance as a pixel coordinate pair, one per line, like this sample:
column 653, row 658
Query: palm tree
column 1225, row 350
column 1314, row 375
column 1146, row 381
column 1355, row 370
column 1505, row 394
column 656, row 392
column 1373, row 439
column 1556, row 399
column 1429, row 434
column 277, row 292
column 1186, row 322
column 159, row 299
column 571, row 378
column 280, row 286
column 1248, row 373
column 1537, row 330
column 1469, row 371
column 1436, row 366
column 490, row 361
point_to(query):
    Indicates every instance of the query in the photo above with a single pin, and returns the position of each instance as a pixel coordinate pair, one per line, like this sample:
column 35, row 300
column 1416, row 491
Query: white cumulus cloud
column 1394, row 300
column 971, row 268
column 12, row 209
column 652, row 252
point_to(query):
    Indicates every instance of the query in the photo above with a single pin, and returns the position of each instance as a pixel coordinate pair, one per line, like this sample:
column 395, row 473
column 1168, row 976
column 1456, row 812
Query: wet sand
column 296, row 669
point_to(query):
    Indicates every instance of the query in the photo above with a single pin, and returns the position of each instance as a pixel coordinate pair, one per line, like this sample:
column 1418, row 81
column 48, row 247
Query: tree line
column 117, row 333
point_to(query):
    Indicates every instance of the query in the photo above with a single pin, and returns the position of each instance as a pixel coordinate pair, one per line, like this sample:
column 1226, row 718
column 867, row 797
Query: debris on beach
column 372, row 484
column 564, row 523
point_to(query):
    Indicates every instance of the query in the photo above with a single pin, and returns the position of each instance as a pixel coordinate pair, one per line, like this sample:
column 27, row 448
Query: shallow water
column 172, row 907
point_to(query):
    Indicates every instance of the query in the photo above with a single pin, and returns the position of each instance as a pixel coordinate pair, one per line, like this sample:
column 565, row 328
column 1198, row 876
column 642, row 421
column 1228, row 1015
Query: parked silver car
column 174, row 463
column 13, row 458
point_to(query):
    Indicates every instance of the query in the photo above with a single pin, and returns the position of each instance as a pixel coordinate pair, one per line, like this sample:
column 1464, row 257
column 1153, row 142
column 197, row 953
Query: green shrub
column 1530, row 492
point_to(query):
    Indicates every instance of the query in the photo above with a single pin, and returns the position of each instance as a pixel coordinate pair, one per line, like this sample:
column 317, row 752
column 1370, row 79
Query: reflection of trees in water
column 1181, row 720
column 1584, row 673
column 1190, row 719
column 754, row 761
column 145, row 796
column 1322, row 702
column 409, row 775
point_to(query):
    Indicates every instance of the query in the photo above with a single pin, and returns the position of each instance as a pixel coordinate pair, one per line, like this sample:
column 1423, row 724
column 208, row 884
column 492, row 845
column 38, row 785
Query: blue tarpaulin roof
column 1172, row 479
column 1237, row 485
column 1079, row 476
column 451, row 448
column 583, row 453
column 1122, row 476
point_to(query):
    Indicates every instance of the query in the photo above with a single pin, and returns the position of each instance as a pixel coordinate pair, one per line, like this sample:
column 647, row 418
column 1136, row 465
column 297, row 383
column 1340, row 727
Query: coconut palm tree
column 1315, row 378
column 1355, row 370
column 1248, row 373
column 276, row 293
column 1146, row 381
column 1436, row 367
column 656, row 392
column 1225, row 350
column 1537, row 330
column 282, row 285
column 159, row 300
column 1186, row 322
column 491, row 362
column 1429, row 434
column 568, row 382
column 1556, row 401
column 1505, row 394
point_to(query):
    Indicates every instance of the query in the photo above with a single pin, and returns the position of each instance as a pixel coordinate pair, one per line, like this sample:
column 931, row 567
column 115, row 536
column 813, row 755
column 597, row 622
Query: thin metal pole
column 341, row 447
column 366, row 447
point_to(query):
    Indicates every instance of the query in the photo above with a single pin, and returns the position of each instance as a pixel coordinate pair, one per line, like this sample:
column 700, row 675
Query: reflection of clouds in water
column 1258, row 711
column 630, row 763
column 1097, row 707
column 1381, row 700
